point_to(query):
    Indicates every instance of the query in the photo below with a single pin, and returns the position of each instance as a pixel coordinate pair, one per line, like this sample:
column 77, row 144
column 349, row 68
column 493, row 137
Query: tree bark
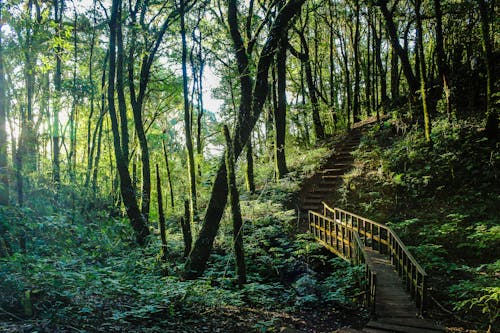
column 56, row 166
column 234, row 199
column 165, row 155
column 249, row 175
column 187, row 118
column 423, row 76
column 280, row 111
column 492, row 121
column 356, row 108
column 161, row 218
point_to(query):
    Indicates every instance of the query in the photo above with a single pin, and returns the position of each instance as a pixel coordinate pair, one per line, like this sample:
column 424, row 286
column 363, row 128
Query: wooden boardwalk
column 394, row 284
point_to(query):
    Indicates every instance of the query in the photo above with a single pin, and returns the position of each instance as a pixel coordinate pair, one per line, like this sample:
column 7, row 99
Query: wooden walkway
column 394, row 284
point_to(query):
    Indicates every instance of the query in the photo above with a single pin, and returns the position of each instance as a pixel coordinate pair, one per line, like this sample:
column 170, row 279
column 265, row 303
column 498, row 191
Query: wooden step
column 331, row 177
column 399, row 328
column 312, row 195
column 333, row 171
column 316, row 208
column 411, row 322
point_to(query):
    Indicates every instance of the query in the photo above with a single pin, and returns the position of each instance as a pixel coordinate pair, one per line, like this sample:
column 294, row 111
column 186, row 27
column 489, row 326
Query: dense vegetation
column 124, row 206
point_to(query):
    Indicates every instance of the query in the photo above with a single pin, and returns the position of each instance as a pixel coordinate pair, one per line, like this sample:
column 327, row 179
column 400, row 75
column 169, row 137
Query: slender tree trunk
column 187, row 118
column 423, row 78
column 161, row 218
column 249, row 175
column 100, row 125
column 165, row 155
column 234, row 199
column 402, row 54
column 356, row 108
column 186, row 229
column 73, row 119
column 319, row 129
column 4, row 175
column 280, row 111
column 441, row 57
column 127, row 190
column 56, row 165
column 492, row 121
column 91, row 139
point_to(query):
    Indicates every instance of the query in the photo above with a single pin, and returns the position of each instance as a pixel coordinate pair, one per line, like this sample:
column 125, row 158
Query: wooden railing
column 346, row 243
column 346, row 234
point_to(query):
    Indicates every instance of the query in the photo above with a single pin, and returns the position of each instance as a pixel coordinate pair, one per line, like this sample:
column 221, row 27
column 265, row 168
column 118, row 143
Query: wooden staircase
column 394, row 284
column 324, row 182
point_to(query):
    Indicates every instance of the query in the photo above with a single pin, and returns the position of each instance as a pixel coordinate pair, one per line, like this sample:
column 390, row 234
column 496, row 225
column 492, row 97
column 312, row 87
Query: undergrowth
column 66, row 269
column 443, row 200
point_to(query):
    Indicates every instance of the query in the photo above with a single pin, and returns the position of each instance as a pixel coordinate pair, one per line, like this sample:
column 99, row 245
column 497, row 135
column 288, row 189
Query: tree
column 280, row 111
column 4, row 176
column 253, row 96
column 492, row 115
column 234, row 199
column 187, row 115
column 126, row 187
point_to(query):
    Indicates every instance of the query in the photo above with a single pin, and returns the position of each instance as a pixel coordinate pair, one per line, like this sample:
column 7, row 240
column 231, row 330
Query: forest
column 154, row 156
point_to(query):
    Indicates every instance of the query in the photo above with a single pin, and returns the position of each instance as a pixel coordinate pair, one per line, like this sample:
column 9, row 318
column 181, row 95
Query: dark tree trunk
column 492, row 121
column 280, row 111
column 356, row 109
column 56, row 165
column 161, row 218
column 186, row 229
column 423, row 77
column 251, row 105
column 127, row 190
column 4, row 176
column 304, row 57
column 234, row 199
column 187, row 118
column 249, row 175
column 441, row 57
column 165, row 155
column 402, row 54
column 394, row 74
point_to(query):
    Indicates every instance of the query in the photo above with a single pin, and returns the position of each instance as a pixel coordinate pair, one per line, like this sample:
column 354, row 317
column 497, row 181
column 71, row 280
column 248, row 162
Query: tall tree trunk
column 56, row 165
column 280, row 111
column 187, row 118
column 165, row 155
column 251, row 104
column 249, row 175
column 492, row 121
column 304, row 57
column 161, row 218
column 423, row 76
column 402, row 54
column 441, row 57
column 91, row 139
column 100, row 125
column 394, row 74
column 73, row 118
column 356, row 108
column 234, row 199
column 127, row 190
column 4, row 175
column 186, row 229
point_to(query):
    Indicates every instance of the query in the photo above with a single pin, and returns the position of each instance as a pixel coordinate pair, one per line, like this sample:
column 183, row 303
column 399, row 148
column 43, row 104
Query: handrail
column 337, row 228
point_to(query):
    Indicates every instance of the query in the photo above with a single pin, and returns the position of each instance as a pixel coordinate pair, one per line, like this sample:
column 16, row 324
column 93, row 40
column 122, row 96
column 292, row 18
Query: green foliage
column 441, row 200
